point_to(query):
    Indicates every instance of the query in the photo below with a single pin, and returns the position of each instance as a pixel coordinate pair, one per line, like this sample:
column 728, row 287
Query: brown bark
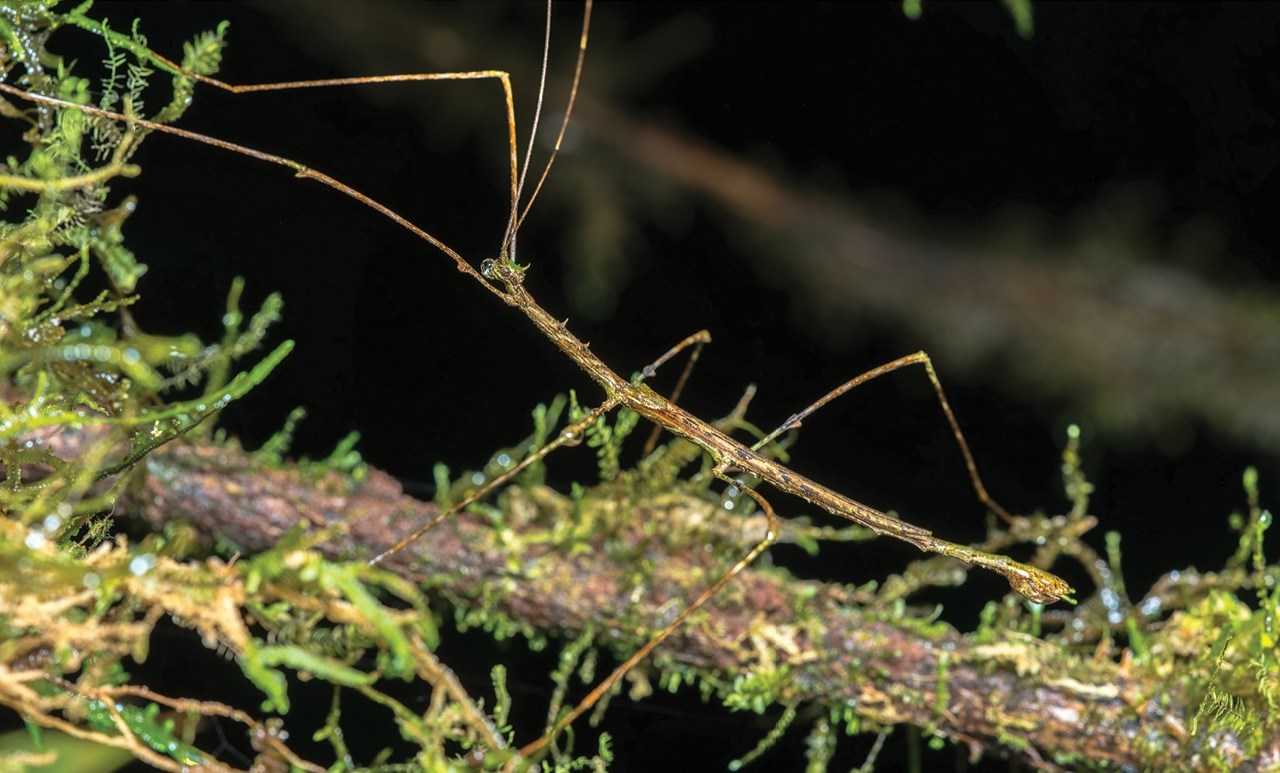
column 1009, row 695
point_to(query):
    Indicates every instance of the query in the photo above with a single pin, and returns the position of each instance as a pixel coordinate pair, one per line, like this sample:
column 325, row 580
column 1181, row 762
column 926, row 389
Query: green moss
column 77, row 362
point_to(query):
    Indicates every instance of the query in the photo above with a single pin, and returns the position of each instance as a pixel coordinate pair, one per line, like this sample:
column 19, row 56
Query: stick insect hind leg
column 917, row 358
column 1031, row 582
column 572, row 435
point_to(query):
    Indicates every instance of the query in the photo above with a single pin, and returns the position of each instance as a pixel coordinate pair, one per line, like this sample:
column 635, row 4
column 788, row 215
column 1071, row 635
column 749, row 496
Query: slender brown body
column 1033, row 583
column 503, row 277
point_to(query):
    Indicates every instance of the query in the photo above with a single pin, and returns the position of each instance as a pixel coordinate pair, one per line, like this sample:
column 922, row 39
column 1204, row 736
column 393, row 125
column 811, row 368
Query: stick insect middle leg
column 697, row 340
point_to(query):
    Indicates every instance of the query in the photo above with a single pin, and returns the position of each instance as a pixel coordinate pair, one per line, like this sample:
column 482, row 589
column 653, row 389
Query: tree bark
column 1007, row 694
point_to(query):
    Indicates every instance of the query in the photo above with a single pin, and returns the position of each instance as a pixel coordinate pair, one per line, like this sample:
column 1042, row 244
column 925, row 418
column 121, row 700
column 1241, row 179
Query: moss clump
column 87, row 393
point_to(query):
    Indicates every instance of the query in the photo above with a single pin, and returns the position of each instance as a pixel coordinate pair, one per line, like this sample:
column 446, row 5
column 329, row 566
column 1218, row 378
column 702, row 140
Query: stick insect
column 503, row 276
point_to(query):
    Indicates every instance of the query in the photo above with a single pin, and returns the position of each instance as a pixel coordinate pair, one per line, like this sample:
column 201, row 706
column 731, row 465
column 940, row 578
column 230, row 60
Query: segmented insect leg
column 697, row 341
column 569, row 436
column 918, row 358
column 601, row 689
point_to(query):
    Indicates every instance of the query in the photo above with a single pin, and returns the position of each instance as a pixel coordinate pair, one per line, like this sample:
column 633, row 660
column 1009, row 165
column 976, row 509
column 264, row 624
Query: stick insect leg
column 518, row 175
column 771, row 536
column 697, row 341
column 919, row 358
column 569, row 436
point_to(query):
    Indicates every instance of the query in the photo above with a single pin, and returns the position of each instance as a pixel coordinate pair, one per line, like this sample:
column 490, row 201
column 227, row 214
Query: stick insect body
column 730, row 455
column 503, row 277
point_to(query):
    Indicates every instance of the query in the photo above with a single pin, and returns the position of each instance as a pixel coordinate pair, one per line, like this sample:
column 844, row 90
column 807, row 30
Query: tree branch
column 1005, row 693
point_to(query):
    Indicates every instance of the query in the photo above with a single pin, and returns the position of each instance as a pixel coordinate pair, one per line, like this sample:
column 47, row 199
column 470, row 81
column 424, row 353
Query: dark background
column 949, row 121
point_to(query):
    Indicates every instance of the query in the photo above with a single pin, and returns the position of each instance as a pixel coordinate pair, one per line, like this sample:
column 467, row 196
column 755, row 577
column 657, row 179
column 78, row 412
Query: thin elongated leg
column 919, row 358
column 519, row 173
column 569, row 436
column 697, row 341
column 601, row 689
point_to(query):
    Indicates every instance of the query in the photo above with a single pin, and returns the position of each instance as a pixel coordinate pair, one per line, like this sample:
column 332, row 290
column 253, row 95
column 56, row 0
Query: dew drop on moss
column 142, row 564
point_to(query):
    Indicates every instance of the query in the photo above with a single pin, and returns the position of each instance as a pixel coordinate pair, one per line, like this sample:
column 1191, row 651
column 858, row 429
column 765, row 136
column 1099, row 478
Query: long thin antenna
column 509, row 238
column 568, row 110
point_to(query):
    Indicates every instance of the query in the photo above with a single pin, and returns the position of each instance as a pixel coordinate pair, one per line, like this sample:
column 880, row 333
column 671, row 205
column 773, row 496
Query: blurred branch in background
column 1134, row 342
column 1096, row 311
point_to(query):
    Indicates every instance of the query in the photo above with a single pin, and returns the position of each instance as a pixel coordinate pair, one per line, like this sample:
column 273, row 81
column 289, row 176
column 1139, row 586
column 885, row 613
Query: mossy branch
column 88, row 431
column 1000, row 691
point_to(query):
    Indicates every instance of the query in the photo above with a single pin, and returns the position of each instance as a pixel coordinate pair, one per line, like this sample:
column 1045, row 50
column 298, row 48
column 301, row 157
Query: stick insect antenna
column 509, row 238
column 568, row 112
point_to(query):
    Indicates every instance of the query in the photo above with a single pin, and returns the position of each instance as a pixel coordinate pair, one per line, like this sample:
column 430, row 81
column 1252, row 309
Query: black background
column 954, row 114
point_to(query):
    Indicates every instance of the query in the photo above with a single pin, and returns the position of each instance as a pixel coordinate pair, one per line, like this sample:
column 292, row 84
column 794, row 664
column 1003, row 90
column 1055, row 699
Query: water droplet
column 91, row 580
column 488, row 268
column 142, row 564
column 477, row 478
column 503, row 459
column 51, row 523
